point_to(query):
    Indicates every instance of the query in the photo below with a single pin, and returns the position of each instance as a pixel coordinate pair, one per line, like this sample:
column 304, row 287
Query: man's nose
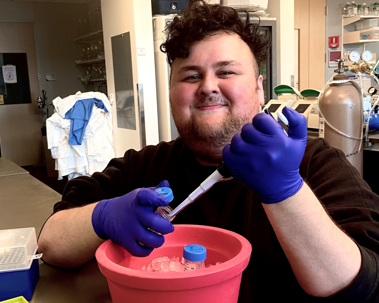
column 209, row 85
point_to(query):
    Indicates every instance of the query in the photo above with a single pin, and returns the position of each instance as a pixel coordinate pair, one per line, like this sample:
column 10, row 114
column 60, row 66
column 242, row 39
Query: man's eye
column 226, row 73
column 193, row 77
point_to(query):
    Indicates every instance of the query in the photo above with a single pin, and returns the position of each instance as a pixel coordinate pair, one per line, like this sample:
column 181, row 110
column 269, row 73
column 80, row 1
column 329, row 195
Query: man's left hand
column 265, row 159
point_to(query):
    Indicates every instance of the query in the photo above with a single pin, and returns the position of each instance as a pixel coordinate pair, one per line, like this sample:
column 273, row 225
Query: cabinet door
column 310, row 21
column 129, row 55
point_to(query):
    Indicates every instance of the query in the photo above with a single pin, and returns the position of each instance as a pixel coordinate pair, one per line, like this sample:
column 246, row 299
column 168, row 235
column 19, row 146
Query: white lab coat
column 97, row 148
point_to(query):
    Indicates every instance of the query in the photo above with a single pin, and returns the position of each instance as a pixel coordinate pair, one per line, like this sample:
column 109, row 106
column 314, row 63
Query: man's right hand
column 126, row 220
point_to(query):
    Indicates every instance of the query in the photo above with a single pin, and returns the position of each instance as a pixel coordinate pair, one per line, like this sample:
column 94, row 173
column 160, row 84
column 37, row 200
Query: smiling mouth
column 210, row 106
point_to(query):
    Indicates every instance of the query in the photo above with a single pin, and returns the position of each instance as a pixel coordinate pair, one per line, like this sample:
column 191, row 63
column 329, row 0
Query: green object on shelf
column 309, row 92
column 15, row 300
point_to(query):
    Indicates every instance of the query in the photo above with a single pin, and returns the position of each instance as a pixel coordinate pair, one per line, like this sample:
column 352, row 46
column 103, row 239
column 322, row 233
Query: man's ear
column 261, row 93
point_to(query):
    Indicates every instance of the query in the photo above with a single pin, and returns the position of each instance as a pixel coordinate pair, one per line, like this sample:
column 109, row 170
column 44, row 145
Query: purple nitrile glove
column 125, row 220
column 265, row 159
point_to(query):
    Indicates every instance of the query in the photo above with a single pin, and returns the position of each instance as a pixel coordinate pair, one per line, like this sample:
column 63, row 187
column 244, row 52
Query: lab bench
column 27, row 202
column 9, row 168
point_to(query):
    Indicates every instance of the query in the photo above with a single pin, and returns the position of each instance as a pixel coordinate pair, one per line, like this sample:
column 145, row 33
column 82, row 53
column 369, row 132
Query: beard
column 207, row 140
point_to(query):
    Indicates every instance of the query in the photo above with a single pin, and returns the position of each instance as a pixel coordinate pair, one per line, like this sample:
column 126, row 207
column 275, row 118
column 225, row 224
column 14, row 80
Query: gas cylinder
column 341, row 117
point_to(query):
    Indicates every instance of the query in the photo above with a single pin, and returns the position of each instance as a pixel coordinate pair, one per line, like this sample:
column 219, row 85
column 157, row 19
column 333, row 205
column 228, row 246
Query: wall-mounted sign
column 333, row 56
column 14, row 78
column 9, row 74
column 334, row 41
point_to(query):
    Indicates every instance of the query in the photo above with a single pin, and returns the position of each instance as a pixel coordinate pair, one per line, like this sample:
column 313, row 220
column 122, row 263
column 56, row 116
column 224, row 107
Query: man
column 311, row 220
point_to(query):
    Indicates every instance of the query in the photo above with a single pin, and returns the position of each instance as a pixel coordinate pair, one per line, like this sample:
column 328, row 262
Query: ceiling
column 52, row 1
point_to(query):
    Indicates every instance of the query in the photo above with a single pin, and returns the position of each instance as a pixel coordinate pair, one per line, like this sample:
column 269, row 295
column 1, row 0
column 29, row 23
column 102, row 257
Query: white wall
column 134, row 16
column 55, row 30
column 283, row 11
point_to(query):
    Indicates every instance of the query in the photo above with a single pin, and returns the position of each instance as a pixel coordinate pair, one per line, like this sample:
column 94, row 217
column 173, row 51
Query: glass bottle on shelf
column 354, row 9
column 93, row 52
column 100, row 47
column 98, row 21
column 349, row 10
column 345, row 11
column 83, row 54
column 90, row 22
column 374, row 11
column 364, row 9
column 359, row 10
column 86, row 27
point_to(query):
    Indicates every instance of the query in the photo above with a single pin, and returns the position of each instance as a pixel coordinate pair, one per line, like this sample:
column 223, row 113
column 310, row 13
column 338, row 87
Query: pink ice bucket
column 220, row 283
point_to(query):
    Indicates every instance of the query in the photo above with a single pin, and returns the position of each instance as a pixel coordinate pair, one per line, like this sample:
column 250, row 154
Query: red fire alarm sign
column 334, row 41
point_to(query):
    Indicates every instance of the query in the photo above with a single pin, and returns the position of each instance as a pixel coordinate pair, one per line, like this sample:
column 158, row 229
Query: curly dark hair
column 200, row 20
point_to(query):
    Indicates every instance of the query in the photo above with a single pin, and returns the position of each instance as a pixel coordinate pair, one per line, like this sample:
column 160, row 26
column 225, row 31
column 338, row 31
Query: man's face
column 213, row 93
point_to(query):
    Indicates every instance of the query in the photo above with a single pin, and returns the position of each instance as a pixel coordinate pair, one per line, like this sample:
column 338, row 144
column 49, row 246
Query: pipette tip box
column 19, row 269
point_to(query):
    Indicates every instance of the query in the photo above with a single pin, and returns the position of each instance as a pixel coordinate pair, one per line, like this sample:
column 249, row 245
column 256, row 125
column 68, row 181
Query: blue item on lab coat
column 80, row 114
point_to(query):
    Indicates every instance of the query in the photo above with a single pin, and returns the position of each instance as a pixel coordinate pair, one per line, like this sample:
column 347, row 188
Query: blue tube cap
column 165, row 192
column 195, row 253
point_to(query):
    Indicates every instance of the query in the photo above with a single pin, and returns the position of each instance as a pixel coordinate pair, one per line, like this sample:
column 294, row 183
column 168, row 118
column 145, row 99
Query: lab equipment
column 19, row 271
column 347, row 10
column 281, row 119
column 354, row 9
column 125, row 220
column 215, row 284
column 261, row 4
column 277, row 178
column 287, row 96
column 194, row 256
column 341, row 115
column 308, row 107
column 371, row 33
column 222, row 173
column 20, row 299
column 364, row 9
column 359, row 9
column 165, row 192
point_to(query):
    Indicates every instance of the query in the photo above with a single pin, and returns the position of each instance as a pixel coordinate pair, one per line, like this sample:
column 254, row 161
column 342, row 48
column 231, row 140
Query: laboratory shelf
column 85, row 79
column 99, row 59
column 97, row 80
column 350, row 20
column 355, row 37
column 89, row 37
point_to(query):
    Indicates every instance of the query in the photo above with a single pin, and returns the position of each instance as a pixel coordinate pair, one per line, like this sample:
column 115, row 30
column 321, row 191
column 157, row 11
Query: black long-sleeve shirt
column 268, row 278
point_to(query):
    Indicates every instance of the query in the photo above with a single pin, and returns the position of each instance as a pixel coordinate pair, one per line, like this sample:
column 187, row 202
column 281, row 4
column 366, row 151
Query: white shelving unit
column 353, row 37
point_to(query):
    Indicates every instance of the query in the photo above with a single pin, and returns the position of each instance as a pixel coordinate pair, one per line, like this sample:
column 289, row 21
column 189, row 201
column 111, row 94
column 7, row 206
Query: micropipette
column 222, row 173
